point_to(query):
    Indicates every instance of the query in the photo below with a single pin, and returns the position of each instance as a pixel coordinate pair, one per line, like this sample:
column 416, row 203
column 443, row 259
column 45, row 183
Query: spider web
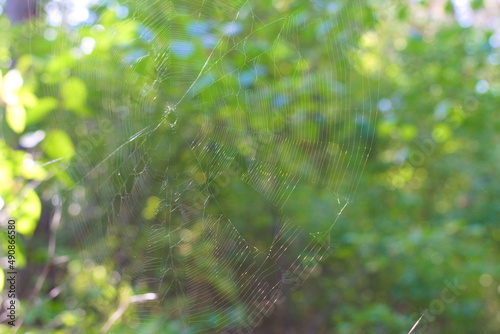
column 201, row 177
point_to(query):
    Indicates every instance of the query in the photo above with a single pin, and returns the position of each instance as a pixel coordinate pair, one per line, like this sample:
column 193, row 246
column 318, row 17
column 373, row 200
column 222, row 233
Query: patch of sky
column 198, row 28
column 209, row 41
column 146, row 34
column 232, row 28
column 247, row 78
column 280, row 100
column 182, row 49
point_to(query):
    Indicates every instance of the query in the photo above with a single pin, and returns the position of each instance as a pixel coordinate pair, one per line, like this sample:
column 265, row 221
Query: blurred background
column 149, row 148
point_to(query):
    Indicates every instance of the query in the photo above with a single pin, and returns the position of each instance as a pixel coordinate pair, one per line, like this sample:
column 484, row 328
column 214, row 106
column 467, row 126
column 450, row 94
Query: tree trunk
column 20, row 10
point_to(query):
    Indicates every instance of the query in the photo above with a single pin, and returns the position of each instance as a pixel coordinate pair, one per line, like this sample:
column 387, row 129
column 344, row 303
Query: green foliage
column 425, row 213
column 58, row 144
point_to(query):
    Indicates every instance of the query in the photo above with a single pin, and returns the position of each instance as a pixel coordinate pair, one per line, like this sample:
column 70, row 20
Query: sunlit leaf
column 12, row 81
column 27, row 98
column 28, row 213
column 149, row 211
column 477, row 4
column 32, row 170
column 408, row 132
column 74, row 95
column 441, row 132
column 58, row 144
column 69, row 318
column 16, row 117
column 41, row 109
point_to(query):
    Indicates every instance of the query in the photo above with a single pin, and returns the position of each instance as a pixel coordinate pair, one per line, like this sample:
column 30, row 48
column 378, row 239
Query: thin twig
column 123, row 307
column 116, row 315
column 416, row 324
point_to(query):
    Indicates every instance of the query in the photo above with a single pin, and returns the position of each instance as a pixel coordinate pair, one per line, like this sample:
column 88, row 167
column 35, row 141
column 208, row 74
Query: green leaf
column 31, row 170
column 442, row 132
column 74, row 95
column 58, row 145
column 41, row 109
column 448, row 8
column 28, row 214
column 16, row 117
column 408, row 132
column 477, row 4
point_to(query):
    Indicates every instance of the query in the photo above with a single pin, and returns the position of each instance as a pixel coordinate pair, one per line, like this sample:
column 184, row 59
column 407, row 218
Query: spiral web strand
column 235, row 124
